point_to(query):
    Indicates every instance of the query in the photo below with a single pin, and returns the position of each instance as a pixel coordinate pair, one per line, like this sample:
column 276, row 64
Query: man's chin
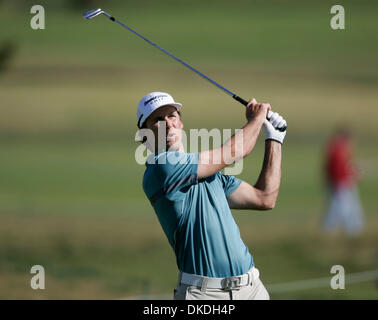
column 172, row 147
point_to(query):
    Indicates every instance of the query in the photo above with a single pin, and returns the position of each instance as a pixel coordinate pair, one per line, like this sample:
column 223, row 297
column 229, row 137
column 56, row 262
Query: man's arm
column 240, row 144
column 263, row 195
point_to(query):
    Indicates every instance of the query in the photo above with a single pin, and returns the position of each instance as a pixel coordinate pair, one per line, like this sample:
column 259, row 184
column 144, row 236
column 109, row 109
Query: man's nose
column 169, row 122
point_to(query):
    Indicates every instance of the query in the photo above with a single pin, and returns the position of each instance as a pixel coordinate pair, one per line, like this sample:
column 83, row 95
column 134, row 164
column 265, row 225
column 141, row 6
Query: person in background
column 344, row 207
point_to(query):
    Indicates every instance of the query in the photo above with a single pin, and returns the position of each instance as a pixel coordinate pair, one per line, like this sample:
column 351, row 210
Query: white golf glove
column 272, row 125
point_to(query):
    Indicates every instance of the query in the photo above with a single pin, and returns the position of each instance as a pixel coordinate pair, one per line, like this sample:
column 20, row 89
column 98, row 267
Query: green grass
column 70, row 189
column 75, row 209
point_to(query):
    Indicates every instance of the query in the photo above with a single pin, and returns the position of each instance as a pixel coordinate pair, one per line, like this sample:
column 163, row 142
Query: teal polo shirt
column 195, row 215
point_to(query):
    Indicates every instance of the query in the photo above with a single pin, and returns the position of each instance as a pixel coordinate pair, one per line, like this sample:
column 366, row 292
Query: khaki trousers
column 255, row 290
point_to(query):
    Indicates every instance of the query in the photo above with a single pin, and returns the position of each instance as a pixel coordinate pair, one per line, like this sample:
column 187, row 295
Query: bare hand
column 255, row 110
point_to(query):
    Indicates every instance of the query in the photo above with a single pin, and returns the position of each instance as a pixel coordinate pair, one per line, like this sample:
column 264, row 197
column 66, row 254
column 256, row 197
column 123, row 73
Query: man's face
column 174, row 126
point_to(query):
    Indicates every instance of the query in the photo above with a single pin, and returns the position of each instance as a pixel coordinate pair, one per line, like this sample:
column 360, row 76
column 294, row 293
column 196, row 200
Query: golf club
column 94, row 13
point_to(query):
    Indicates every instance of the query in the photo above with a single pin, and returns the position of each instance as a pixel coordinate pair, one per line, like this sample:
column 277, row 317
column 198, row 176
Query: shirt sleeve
column 229, row 183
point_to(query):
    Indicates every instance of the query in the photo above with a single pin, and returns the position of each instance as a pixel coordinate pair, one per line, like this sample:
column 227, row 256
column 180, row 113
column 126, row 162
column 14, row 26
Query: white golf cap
column 153, row 101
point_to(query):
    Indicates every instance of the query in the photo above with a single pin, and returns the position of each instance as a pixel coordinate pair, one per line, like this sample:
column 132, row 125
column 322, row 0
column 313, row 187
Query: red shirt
column 338, row 162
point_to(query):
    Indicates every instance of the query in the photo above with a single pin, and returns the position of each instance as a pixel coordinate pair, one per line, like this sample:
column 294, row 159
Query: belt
column 226, row 283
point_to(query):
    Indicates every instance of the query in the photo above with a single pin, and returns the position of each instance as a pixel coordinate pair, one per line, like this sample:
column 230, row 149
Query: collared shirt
column 195, row 215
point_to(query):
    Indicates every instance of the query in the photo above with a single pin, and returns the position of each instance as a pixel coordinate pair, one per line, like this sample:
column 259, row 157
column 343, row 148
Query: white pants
column 255, row 290
column 344, row 211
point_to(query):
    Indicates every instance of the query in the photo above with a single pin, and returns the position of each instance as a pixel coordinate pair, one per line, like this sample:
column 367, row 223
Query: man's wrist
column 273, row 140
column 256, row 121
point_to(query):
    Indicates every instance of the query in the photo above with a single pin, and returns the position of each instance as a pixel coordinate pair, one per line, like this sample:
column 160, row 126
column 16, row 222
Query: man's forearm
column 238, row 146
column 270, row 175
column 242, row 142
column 234, row 149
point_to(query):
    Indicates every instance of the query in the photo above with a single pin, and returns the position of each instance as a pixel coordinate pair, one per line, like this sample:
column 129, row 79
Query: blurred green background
column 70, row 189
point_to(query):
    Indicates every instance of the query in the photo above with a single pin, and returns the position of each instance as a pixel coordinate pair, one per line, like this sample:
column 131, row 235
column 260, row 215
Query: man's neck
column 180, row 148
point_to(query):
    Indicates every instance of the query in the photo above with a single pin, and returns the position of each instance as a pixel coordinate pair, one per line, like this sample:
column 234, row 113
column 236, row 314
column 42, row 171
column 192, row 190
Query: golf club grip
column 245, row 103
column 241, row 100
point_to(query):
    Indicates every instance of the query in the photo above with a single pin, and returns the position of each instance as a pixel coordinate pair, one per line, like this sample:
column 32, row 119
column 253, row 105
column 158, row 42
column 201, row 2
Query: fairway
column 71, row 197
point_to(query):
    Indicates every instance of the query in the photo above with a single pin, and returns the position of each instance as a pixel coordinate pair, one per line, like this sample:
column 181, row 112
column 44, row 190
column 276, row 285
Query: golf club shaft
column 177, row 59
column 237, row 98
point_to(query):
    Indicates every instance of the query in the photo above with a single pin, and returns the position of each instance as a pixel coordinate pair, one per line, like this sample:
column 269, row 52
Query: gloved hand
column 270, row 126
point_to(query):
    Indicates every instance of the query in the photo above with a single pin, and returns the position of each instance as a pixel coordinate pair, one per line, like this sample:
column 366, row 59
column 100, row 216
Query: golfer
column 192, row 198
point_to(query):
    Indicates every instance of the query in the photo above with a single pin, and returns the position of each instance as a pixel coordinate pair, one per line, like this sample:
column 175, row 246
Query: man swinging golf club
column 192, row 198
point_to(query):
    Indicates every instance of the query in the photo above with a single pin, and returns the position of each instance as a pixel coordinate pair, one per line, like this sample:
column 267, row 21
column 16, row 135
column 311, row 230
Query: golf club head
column 92, row 13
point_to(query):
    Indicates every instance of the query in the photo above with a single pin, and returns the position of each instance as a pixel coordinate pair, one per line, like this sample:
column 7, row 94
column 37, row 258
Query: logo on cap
column 161, row 97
